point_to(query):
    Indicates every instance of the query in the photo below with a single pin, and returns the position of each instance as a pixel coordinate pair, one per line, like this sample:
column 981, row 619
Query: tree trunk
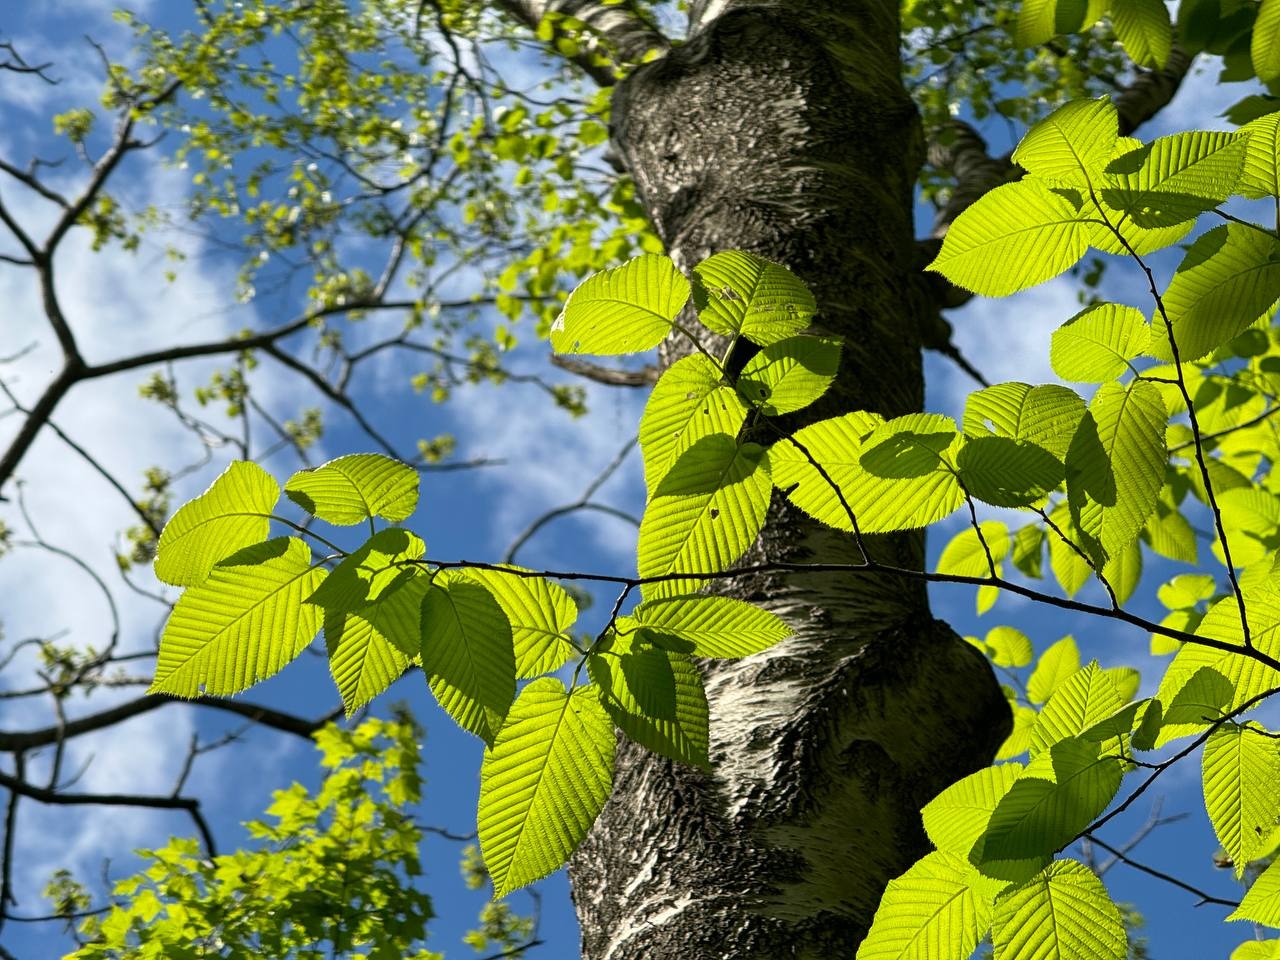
column 783, row 129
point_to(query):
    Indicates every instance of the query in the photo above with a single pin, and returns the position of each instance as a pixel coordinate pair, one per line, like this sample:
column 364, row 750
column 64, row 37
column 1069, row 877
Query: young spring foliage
column 1173, row 431
column 334, row 872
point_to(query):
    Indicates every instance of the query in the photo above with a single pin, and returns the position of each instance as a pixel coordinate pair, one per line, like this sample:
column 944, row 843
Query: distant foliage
column 330, row 874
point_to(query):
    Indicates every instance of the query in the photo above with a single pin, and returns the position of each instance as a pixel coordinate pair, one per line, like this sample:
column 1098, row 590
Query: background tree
column 397, row 176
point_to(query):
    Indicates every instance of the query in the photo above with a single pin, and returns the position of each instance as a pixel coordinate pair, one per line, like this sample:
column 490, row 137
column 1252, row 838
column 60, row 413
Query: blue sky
column 118, row 303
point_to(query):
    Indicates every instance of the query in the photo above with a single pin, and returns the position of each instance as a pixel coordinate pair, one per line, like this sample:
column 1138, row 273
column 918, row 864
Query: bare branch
column 265, row 716
column 1151, row 92
column 191, row 805
column 1161, row 875
column 621, row 25
column 609, row 376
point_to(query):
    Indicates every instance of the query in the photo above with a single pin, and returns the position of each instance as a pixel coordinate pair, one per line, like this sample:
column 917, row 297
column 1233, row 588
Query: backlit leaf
column 1098, row 343
column 467, row 654
column 233, row 513
column 1241, row 767
column 354, row 488
column 541, row 614
column 244, row 623
column 1018, row 235
column 708, row 626
column 740, row 293
column 690, row 401
column 705, row 514
column 1062, row 913
column 790, row 374
column 654, row 696
column 543, row 782
column 929, row 913
column 1228, row 279
column 628, row 309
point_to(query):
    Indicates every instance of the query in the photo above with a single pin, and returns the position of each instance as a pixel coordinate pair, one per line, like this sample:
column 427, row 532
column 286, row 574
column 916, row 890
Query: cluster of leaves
column 305, row 123
column 252, row 603
column 332, row 874
column 1246, row 35
column 1101, row 478
column 1097, row 479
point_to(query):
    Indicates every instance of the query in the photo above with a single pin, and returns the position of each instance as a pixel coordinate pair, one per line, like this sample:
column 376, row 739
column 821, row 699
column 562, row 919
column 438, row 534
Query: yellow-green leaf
column 244, row 623
column 690, row 401
column 233, row 513
column 467, row 654
column 740, row 293
column 705, row 514
column 1018, row 235
column 1241, row 767
column 628, row 309
column 354, row 488
column 543, row 782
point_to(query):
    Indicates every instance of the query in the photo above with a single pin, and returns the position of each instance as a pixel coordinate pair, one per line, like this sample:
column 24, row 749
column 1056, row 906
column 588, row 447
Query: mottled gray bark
column 783, row 128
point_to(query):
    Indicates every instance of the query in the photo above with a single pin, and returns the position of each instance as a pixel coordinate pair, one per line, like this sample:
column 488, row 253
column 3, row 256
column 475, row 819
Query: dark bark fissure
column 783, row 129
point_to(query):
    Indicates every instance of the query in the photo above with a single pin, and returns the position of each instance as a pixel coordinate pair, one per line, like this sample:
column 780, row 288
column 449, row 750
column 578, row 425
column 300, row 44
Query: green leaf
column 541, row 614
column 1257, row 950
column 705, row 514
column 789, row 375
column 1062, row 913
column 1039, row 21
column 543, row 782
column 654, row 696
column 354, row 488
column 233, row 513
column 243, row 624
column 1059, row 662
column 1009, row 647
column 1070, row 569
column 1175, row 178
column 929, row 913
column 1018, row 235
column 1251, row 517
column 709, row 626
column 880, row 503
column 467, row 654
column 1098, row 343
column 1116, row 466
column 368, row 572
column 1006, row 472
column 1084, row 699
column 370, row 650
column 958, row 816
column 1264, row 46
column 1229, row 680
column 1061, row 792
column 966, row 556
column 1260, row 176
column 690, row 401
column 1186, row 590
column 1019, row 740
column 1229, row 278
column 1241, row 767
column 1169, row 534
column 1261, row 903
column 1028, row 550
column 1144, row 29
column 1132, row 238
column 740, row 293
column 1123, row 571
column 1046, row 415
column 1072, row 145
column 629, row 309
